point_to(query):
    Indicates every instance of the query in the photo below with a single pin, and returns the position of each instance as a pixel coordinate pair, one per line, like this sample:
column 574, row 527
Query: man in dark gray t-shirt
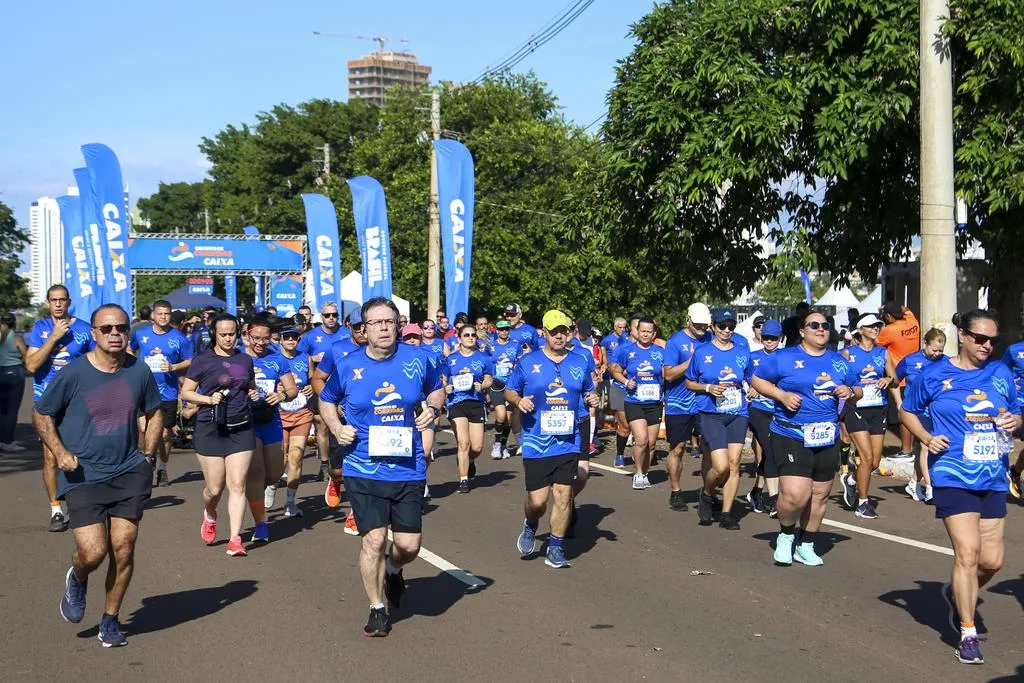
column 86, row 417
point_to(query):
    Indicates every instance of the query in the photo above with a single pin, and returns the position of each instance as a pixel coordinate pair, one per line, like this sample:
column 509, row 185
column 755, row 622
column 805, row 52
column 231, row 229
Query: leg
column 165, row 444
column 732, row 484
column 641, row 453
column 296, row 449
column 964, row 531
column 560, row 505
column 213, row 468
column 993, row 549
column 862, row 442
column 123, row 534
column 536, row 504
column 476, row 440
column 674, row 463
column 404, row 548
column 906, row 440
column 810, row 519
column 371, row 564
column 718, row 467
column 582, row 475
column 255, row 483
column 652, row 442
column 794, row 496
column 50, row 475
column 236, row 467
column 461, row 427
column 91, row 547
column 273, row 463
column 323, row 443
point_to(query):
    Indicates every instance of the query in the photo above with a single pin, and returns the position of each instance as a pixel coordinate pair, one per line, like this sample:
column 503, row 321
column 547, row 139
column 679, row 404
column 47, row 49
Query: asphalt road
column 628, row 609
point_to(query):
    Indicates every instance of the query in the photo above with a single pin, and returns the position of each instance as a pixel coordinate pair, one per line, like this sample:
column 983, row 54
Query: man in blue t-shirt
column 86, row 418
column 379, row 388
column 316, row 343
column 168, row 353
column 54, row 343
column 547, row 387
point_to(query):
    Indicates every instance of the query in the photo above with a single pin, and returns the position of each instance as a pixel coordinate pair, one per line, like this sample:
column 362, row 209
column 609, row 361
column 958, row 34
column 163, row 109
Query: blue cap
column 771, row 328
column 720, row 315
column 356, row 317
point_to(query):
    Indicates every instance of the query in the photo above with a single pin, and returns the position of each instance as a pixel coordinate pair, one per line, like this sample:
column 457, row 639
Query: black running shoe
column 754, row 500
column 58, row 522
column 705, row 508
column 377, row 625
column 394, row 588
column 676, row 502
column 323, row 473
column 727, row 521
column 161, row 478
column 464, row 486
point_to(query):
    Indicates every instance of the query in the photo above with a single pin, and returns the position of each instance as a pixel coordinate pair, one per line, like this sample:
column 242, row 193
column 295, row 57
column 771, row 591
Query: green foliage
column 14, row 292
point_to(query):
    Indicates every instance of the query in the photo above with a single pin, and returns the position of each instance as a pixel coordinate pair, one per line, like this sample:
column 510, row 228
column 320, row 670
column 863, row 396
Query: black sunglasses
column 815, row 325
column 765, row 337
column 981, row 339
column 289, row 336
column 122, row 328
column 758, row 326
column 726, row 326
column 328, row 315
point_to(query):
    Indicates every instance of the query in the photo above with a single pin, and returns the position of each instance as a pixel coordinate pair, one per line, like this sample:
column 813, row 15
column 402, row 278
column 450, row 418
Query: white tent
column 746, row 328
column 872, row 302
column 843, row 297
column 351, row 294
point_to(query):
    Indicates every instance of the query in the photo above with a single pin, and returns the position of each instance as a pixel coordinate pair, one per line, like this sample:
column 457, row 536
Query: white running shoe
column 496, row 451
column 292, row 510
column 638, row 482
column 647, row 482
column 269, row 494
column 505, row 454
column 914, row 491
column 629, row 440
column 927, row 493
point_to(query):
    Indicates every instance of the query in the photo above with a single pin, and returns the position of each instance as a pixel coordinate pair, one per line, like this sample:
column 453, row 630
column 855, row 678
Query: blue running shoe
column 110, row 632
column 556, row 559
column 620, row 461
column 260, row 533
column 784, row 549
column 72, row 605
column 866, row 511
column 804, row 554
column 968, row 652
column 527, row 542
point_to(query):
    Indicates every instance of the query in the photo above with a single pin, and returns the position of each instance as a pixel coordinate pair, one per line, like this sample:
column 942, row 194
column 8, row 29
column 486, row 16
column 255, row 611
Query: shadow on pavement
column 480, row 481
column 824, row 541
column 433, row 596
column 157, row 502
column 159, row 612
column 926, row 605
column 588, row 533
column 1012, row 587
column 26, row 461
column 1014, row 678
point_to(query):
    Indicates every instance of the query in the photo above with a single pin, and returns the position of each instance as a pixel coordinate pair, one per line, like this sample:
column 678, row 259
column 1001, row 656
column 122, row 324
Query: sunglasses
column 815, row 325
column 328, row 315
column 767, row 338
column 107, row 329
column 981, row 339
column 726, row 326
column 469, row 335
column 758, row 326
column 428, row 327
column 289, row 337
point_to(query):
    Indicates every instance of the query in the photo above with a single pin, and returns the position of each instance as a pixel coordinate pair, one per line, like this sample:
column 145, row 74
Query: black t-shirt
column 791, row 330
column 95, row 416
column 214, row 372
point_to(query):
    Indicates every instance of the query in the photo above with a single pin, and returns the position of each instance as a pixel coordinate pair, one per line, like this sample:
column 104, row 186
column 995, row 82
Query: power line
column 519, row 208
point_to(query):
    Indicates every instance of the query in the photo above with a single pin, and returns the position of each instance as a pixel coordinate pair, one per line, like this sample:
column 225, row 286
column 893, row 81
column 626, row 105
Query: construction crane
column 380, row 40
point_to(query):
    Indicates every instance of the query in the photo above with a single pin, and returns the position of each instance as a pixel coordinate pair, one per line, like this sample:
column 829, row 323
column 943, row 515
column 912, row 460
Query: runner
column 504, row 355
column 806, row 382
column 548, row 387
column 866, row 420
column 52, row 344
column 716, row 373
column 451, row 339
column 296, row 417
column 1014, row 359
column 315, row 344
column 581, row 341
column 443, row 326
column 791, row 332
column 681, row 403
column 483, row 333
column 909, row 371
column 615, row 392
column 901, row 337
column 202, row 334
column 12, row 381
column 467, row 374
column 638, row 367
column 222, row 382
column 167, row 352
column 434, row 348
column 526, row 336
column 973, row 406
column 379, row 389
column 764, row 495
column 413, row 336
column 755, row 329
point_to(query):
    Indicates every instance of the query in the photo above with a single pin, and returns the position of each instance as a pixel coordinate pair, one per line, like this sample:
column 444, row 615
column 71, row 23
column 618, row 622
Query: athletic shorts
column 377, row 504
column 497, row 398
column 679, row 428
column 870, row 420
column 951, row 501
column 474, row 411
column 210, row 439
column 720, row 430
column 540, row 473
column 269, row 432
column 760, row 424
column 298, row 430
column 169, row 410
column 123, row 497
column 294, row 422
column 584, row 427
column 616, row 397
column 651, row 412
column 794, row 459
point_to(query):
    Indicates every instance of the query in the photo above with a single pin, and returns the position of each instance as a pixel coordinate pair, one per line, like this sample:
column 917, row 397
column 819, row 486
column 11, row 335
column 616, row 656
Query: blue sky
column 151, row 78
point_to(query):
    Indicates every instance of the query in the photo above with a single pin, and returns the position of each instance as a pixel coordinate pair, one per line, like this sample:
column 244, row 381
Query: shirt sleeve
column 901, row 369
column 515, row 382
column 133, row 344
column 35, row 337
column 303, row 346
column 768, row 369
column 916, row 400
column 327, row 363
column 886, row 337
column 150, row 398
column 187, row 348
column 53, row 399
column 195, row 370
column 333, row 389
column 588, row 379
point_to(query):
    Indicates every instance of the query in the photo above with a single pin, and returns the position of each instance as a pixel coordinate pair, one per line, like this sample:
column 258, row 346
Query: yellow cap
column 555, row 318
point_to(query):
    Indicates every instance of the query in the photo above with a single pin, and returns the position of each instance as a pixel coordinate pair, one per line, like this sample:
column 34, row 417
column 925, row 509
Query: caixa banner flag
column 80, row 275
column 108, row 191
column 286, row 294
column 172, row 253
column 324, row 248
column 95, row 238
column 371, row 214
column 455, row 203
column 200, row 285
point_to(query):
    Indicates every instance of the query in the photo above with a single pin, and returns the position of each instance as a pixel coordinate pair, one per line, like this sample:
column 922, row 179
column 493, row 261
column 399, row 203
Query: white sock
column 161, row 466
column 290, row 496
column 968, row 632
column 379, row 605
column 861, row 501
column 207, row 517
column 54, row 509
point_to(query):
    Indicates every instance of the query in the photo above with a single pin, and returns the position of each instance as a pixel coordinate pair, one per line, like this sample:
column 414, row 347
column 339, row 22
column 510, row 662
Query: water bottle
column 1004, row 439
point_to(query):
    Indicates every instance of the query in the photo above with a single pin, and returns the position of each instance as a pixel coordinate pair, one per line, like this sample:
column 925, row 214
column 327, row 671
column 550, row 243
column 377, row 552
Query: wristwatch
column 437, row 411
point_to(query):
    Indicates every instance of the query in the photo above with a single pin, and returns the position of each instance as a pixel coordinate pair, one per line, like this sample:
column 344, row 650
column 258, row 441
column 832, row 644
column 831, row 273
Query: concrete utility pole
column 938, row 244
column 434, row 231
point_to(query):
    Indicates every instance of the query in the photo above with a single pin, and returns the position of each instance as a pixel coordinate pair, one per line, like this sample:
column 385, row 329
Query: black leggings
column 12, row 388
column 760, row 423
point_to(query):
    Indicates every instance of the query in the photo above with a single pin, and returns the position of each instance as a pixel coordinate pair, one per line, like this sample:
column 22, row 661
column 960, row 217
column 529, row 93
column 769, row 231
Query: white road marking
column 890, row 537
column 613, row 470
column 448, row 568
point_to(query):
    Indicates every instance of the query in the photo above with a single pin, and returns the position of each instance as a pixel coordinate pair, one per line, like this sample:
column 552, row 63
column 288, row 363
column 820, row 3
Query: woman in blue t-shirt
column 467, row 375
column 972, row 403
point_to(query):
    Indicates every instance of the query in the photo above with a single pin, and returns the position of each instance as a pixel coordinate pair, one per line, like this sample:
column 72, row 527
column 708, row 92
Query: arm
column 715, row 390
column 19, row 344
column 486, row 384
column 318, row 379
column 290, row 390
column 523, row 403
column 618, row 373
column 47, row 429
column 189, row 393
column 894, row 388
column 154, row 433
column 934, row 444
column 674, row 372
column 36, row 356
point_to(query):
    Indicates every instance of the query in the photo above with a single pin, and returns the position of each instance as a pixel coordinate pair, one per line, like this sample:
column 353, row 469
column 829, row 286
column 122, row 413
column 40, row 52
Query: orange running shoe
column 350, row 525
column 236, row 548
column 332, row 496
column 208, row 530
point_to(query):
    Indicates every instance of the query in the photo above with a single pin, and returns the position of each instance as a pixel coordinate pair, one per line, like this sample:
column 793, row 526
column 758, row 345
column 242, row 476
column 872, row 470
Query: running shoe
column 784, row 549
column 772, row 505
column 58, row 522
column 850, row 492
column 727, row 521
column 526, row 544
column 928, row 495
column 377, row 625
column 110, row 632
column 463, row 486
column 72, row 603
column 496, row 451
column 647, row 482
column 867, row 511
column 269, row 495
column 968, row 651
column 350, row 525
column 556, row 558
column 694, row 452
column 629, row 440
column 332, row 496
column 394, row 588
column 426, row 492
column 161, row 480
column 804, row 554
column 260, row 534
column 324, row 472
column 236, row 548
column 1013, row 479
column 505, row 454
column 954, row 615
column 913, row 490
column 755, row 502
column 638, row 482
column 208, row 530
column 716, row 502
column 902, row 456
column 676, row 502
column 705, row 508
column 620, row 461
column 292, row 510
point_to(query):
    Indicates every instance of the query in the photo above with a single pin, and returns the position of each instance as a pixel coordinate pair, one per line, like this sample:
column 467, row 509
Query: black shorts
column 540, row 473
column 679, row 428
column 170, row 413
column 377, row 504
column 760, row 424
column 123, row 497
column 651, row 412
column 720, row 430
column 474, row 411
column 211, row 439
column 951, row 501
column 870, row 420
column 584, row 427
column 794, row 459
column 497, row 398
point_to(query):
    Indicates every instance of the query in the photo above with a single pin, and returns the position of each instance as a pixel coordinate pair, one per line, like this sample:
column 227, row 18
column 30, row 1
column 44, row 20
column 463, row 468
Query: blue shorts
column 951, row 501
column 270, row 432
column 719, row 430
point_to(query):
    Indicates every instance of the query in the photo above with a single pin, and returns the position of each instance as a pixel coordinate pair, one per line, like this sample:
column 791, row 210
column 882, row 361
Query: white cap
column 868, row 319
column 699, row 314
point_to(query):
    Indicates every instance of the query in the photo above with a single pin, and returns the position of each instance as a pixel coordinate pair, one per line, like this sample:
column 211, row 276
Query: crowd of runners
column 368, row 393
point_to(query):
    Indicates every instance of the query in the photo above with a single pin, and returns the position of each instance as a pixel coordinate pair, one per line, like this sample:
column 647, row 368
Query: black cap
column 759, row 320
column 513, row 309
column 584, row 327
column 177, row 317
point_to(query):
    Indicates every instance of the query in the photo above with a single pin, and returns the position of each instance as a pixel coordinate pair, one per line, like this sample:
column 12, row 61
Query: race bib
column 730, row 401
column 503, row 370
column 463, row 381
column 266, row 386
column 390, row 442
column 648, row 392
column 156, row 363
column 294, row 405
column 819, row 434
column 557, row 422
column 872, row 397
column 981, row 447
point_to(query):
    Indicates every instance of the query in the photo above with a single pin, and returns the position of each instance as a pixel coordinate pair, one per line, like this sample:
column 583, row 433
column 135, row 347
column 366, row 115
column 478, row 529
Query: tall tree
column 14, row 292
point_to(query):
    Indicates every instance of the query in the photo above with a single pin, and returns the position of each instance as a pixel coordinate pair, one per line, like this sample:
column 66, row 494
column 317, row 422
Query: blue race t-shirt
column 557, row 390
column 379, row 399
column 963, row 406
column 760, row 402
column 813, row 378
column 335, row 353
column 504, row 356
column 435, row 345
column 910, row 367
column 77, row 342
column 643, row 365
column 870, row 367
column 201, row 338
column 1014, row 358
column 611, row 344
column 268, row 370
column 525, row 335
column 587, row 353
column 299, row 366
column 317, row 342
column 462, row 372
column 724, row 367
column 154, row 347
column 678, row 349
